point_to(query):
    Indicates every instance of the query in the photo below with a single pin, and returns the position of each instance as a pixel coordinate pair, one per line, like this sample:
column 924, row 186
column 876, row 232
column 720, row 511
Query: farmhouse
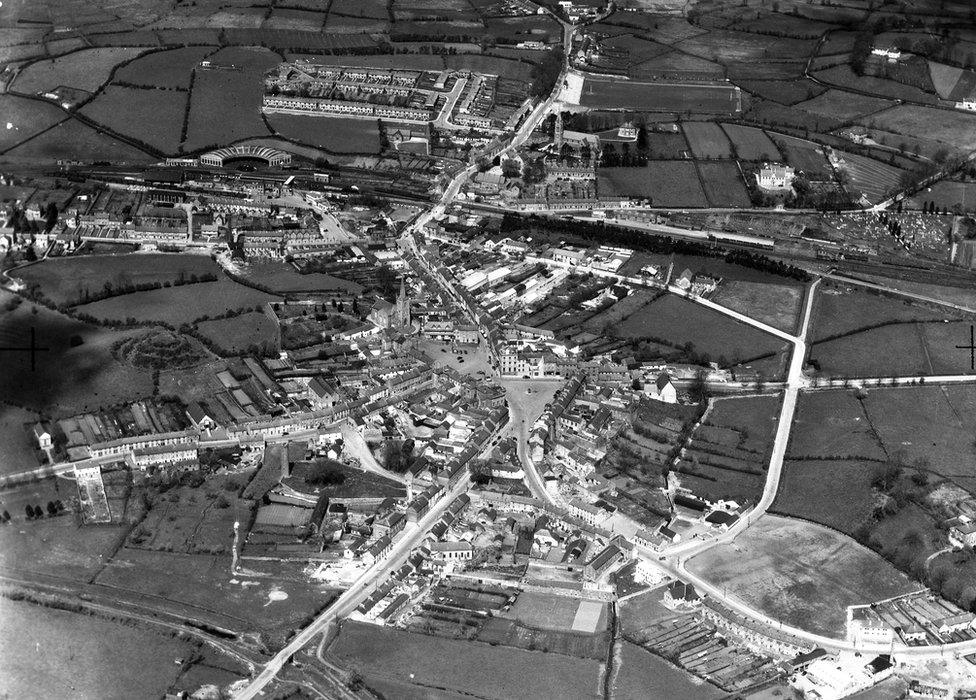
column 775, row 177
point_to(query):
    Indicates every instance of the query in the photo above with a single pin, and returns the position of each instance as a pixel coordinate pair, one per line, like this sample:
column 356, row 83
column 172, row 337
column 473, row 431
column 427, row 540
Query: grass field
column 729, row 46
column 86, row 70
column 546, row 611
column 237, row 334
column 56, row 653
column 667, row 183
column 282, row 278
column 657, row 97
column 644, row 675
column 178, row 305
column 751, row 143
column 833, row 424
column 225, row 105
column 804, row 156
column 956, row 129
column 835, row 493
column 27, row 117
column 681, row 321
column 68, row 377
column 800, row 573
column 839, row 310
column 164, row 69
column 667, row 145
column 786, row 92
column 954, row 195
column 464, row 667
column 843, row 105
column 332, row 134
column 64, row 280
column 707, row 140
column 73, row 140
column 723, row 184
column 17, row 452
column 151, row 116
column 931, row 424
column 872, row 178
column 775, row 304
column 911, row 349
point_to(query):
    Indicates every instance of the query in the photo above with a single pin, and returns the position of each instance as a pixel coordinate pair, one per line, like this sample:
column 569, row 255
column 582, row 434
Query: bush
column 326, row 473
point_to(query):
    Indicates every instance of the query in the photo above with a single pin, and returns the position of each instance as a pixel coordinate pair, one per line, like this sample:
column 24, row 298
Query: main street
column 345, row 604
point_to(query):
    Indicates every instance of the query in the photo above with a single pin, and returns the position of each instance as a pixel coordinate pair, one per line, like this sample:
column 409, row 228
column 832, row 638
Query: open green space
column 48, row 652
column 801, row 573
column 465, row 667
column 777, row 305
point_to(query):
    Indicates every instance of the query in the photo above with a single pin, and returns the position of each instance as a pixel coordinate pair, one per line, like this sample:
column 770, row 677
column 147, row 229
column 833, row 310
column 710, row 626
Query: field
column 842, row 310
column 27, row 117
column 910, row 349
column 69, row 377
column 282, row 278
column 833, row 424
column 775, row 304
column 73, row 140
column 643, row 675
column 163, row 69
column 680, row 321
column 178, row 305
column 543, row 611
column 235, row 335
column 464, row 667
column 800, row 573
column 872, row 178
column 843, row 76
column 225, row 105
column 707, row 140
column 56, row 653
column 85, row 70
column 65, row 280
column 153, row 117
column 666, row 145
column 608, row 93
column 751, row 143
column 729, row 452
column 804, row 156
column 954, row 195
column 335, row 135
column 729, row 46
column 843, row 105
column 206, row 589
column 786, row 92
column 940, row 422
column 956, row 129
column 723, row 184
column 17, row 452
column 666, row 183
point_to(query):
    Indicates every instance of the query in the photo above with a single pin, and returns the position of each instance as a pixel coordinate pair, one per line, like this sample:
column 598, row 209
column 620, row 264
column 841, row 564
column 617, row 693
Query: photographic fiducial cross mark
column 33, row 349
column 971, row 347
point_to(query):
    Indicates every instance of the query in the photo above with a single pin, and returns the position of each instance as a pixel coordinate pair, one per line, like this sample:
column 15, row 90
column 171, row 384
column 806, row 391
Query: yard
column 56, row 653
column 801, row 573
column 464, row 667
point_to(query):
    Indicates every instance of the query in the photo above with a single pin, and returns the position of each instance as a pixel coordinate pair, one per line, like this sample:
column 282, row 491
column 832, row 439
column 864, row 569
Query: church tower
column 403, row 306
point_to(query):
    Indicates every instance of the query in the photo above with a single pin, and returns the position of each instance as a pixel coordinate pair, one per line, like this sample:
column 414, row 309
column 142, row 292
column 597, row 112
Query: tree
column 325, row 473
column 6, row 517
column 29, row 511
column 699, row 387
column 511, row 168
column 51, row 509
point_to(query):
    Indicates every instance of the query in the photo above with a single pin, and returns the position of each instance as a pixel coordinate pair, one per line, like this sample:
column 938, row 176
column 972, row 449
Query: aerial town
column 488, row 349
